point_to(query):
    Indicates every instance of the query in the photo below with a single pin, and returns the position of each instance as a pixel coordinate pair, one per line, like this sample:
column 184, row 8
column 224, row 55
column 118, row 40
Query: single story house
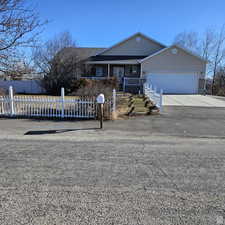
column 139, row 58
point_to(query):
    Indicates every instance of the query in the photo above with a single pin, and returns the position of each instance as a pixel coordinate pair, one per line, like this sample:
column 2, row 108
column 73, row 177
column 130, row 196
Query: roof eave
column 190, row 52
column 177, row 46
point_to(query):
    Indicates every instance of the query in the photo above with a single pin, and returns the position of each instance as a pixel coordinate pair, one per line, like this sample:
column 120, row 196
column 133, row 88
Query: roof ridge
column 124, row 40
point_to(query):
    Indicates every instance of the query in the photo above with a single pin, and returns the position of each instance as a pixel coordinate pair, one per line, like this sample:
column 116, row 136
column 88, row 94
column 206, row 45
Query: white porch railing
column 50, row 106
column 152, row 94
column 132, row 81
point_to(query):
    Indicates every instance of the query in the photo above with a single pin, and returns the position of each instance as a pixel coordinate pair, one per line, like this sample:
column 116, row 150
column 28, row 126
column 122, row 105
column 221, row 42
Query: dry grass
column 46, row 96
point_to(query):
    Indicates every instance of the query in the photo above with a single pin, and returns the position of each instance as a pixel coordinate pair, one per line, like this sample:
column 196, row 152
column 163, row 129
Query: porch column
column 141, row 71
column 108, row 70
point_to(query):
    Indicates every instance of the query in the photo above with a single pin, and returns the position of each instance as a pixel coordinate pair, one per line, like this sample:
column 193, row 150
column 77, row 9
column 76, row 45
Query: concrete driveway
column 192, row 100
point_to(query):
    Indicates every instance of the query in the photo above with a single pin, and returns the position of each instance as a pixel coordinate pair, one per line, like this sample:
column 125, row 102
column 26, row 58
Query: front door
column 118, row 71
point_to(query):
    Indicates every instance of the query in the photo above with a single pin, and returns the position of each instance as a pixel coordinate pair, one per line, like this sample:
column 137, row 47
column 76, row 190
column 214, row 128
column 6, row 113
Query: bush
column 92, row 88
column 221, row 92
column 2, row 91
column 83, row 82
column 111, row 82
column 87, row 87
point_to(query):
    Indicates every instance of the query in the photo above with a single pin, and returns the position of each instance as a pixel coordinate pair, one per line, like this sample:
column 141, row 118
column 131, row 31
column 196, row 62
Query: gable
column 137, row 45
column 167, row 61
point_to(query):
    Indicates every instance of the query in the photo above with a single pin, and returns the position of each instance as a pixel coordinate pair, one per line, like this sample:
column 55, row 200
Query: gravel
column 162, row 180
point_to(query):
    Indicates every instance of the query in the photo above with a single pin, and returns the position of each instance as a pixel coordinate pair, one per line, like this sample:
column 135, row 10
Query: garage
column 175, row 70
column 174, row 83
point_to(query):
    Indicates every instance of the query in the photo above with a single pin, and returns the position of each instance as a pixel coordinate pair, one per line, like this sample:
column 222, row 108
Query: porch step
column 136, row 106
column 134, row 89
column 133, row 105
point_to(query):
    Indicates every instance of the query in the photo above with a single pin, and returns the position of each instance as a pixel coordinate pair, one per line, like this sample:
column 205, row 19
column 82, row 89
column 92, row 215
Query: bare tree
column 58, row 60
column 219, row 54
column 210, row 45
column 43, row 55
column 219, row 82
column 19, row 27
column 189, row 40
column 207, row 43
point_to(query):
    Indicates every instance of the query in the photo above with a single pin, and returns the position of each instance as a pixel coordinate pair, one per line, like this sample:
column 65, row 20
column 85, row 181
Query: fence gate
column 49, row 106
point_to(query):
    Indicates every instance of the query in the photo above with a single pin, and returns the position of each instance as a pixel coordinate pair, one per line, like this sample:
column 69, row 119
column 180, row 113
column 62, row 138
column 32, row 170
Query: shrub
column 87, row 87
column 83, row 82
column 2, row 91
column 221, row 92
column 94, row 91
column 111, row 82
column 92, row 88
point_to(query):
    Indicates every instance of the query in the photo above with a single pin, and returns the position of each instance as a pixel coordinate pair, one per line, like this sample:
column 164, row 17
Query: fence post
column 11, row 101
column 114, row 101
column 161, row 100
column 63, row 101
column 114, row 114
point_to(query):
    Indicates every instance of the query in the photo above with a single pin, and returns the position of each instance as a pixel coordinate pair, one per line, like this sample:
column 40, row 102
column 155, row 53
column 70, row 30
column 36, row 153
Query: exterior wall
column 133, row 46
column 92, row 70
column 23, row 86
column 166, row 62
column 126, row 73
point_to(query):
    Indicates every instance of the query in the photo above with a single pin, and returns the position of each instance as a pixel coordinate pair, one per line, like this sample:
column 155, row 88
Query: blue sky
column 102, row 23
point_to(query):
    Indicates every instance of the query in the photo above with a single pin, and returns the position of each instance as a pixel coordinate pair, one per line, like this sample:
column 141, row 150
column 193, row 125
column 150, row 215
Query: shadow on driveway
column 41, row 132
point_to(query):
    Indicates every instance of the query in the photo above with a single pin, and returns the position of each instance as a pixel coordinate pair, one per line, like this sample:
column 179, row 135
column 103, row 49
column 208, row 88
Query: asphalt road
column 137, row 171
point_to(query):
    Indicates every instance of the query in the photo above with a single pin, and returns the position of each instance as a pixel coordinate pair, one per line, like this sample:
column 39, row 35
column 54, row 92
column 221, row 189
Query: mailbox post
column 101, row 100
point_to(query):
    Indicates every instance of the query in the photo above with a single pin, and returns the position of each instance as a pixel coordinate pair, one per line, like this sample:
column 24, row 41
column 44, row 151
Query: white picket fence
column 49, row 106
column 152, row 94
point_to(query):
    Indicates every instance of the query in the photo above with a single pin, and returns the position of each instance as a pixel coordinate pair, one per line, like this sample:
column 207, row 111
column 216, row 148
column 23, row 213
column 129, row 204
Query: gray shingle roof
column 81, row 52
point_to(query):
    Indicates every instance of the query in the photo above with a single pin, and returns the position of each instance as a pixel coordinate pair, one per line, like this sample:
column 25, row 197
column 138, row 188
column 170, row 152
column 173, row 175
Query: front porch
column 128, row 75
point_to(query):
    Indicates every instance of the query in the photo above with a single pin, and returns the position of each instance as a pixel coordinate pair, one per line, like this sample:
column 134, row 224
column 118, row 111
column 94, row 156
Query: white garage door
column 175, row 83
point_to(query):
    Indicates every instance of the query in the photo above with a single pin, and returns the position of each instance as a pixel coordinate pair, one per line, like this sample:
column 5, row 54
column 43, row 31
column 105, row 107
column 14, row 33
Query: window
column 99, row 71
column 131, row 70
column 174, row 51
column 138, row 39
column 134, row 69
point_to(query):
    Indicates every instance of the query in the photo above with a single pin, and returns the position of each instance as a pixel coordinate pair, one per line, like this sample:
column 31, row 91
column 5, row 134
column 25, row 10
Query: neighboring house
column 139, row 58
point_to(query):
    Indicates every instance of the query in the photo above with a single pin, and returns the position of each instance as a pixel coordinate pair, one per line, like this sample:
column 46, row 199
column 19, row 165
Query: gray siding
column 133, row 46
column 166, row 62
